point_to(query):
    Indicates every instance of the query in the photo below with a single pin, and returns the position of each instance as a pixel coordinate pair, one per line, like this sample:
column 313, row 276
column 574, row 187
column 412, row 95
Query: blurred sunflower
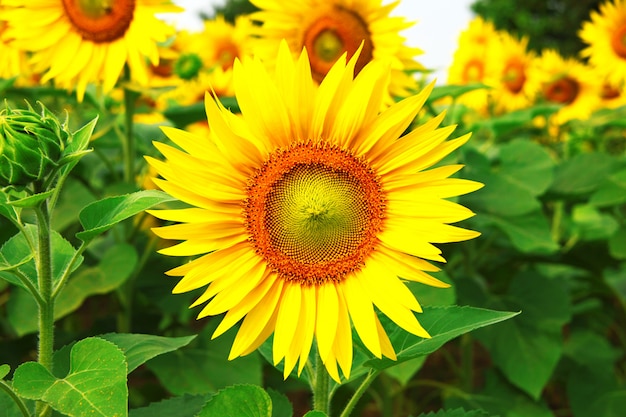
column 307, row 208
column 606, row 36
column 327, row 29
column 472, row 62
column 11, row 58
column 511, row 62
column 81, row 41
column 221, row 42
column 566, row 81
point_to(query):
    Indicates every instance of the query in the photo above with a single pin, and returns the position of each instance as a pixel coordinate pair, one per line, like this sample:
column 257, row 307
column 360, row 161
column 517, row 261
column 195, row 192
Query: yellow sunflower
column 606, row 36
column 308, row 207
column 327, row 29
column 81, row 41
column 566, row 81
column 472, row 62
column 221, row 42
column 511, row 62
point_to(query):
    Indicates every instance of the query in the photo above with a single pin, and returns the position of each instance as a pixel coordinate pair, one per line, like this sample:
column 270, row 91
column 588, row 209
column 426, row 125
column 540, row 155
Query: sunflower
column 605, row 36
column 472, row 62
column 327, row 29
column 81, row 41
column 511, row 61
column 307, row 208
column 221, row 42
column 568, row 82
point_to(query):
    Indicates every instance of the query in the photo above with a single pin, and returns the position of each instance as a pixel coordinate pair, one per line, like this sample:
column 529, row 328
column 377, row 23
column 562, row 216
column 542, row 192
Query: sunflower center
column 226, row 55
column 100, row 20
column 313, row 212
column 331, row 35
column 562, row 91
column 514, row 76
column 473, row 71
column 618, row 41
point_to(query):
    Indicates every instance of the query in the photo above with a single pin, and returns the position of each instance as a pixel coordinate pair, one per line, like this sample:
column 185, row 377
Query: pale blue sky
column 436, row 31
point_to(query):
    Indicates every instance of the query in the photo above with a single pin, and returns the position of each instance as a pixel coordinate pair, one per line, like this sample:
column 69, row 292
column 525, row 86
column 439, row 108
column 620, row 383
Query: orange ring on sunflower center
column 564, row 90
column 473, row 71
column 333, row 34
column 514, row 76
column 618, row 41
column 102, row 21
column 314, row 212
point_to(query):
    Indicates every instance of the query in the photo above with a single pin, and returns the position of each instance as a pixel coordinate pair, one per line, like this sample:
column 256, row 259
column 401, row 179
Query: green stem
column 321, row 392
column 6, row 388
column 371, row 376
column 129, row 140
column 46, row 308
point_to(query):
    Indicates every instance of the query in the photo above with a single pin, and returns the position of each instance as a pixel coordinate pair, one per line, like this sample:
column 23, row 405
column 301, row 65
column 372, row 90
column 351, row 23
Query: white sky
column 436, row 31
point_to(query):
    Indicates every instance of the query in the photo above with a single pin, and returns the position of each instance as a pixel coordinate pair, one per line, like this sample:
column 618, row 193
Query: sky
column 438, row 24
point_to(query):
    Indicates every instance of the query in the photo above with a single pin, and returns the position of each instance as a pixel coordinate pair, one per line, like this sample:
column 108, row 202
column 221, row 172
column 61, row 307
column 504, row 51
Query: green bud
column 188, row 66
column 31, row 145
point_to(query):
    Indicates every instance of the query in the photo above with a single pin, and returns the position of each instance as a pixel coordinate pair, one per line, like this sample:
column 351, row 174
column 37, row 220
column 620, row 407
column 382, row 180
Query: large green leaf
column 528, row 349
column 281, row 406
column 184, row 406
column 16, row 251
column 199, row 368
column 529, row 233
column 94, row 386
column 443, row 324
column 526, row 164
column 617, row 244
column 501, row 195
column 315, row 414
column 611, row 192
column 140, row 348
column 113, row 270
column 100, row 216
column 582, row 174
column 591, row 224
column 240, row 401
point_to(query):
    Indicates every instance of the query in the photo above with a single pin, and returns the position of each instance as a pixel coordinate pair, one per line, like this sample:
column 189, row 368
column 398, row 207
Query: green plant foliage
column 183, row 406
column 459, row 412
column 94, row 386
column 239, row 400
column 100, row 216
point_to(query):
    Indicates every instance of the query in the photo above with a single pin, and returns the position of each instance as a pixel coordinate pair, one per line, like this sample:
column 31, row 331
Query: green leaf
column 7, row 210
column 443, row 324
column 529, row 233
column 4, row 370
column 9, row 408
column 582, row 174
column 616, row 280
column 198, row 368
column 184, row 406
column 453, row 91
column 184, row 115
column 617, row 244
column 240, row 401
column 528, row 349
column 528, row 165
column 140, row 348
column 32, row 200
column 458, row 412
column 16, row 251
column 115, row 267
column 591, row 224
column 315, row 414
column 501, row 195
column 100, row 216
column 95, row 385
column 523, row 118
column 611, row 192
column 77, row 146
column 281, row 406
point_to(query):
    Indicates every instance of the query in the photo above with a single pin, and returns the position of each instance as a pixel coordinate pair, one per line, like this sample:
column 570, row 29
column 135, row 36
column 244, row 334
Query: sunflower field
column 284, row 215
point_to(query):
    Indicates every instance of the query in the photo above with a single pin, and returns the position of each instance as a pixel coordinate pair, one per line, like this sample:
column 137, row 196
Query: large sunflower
column 606, row 36
column 329, row 28
column 568, row 82
column 81, row 41
column 308, row 207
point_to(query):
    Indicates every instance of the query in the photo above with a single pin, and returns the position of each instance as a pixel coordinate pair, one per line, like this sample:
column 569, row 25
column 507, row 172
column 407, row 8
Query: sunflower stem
column 46, row 305
column 321, row 392
column 371, row 376
column 128, row 143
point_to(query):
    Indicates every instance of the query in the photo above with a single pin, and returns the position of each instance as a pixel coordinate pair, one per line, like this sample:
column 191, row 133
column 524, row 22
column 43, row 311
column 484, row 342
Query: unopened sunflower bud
column 31, row 145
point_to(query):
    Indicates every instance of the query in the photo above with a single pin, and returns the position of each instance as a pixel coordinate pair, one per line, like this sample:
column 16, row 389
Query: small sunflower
column 566, row 81
column 81, row 41
column 472, row 62
column 605, row 36
column 327, row 29
column 308, row 207
column 509, row 79
column 221, row 42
